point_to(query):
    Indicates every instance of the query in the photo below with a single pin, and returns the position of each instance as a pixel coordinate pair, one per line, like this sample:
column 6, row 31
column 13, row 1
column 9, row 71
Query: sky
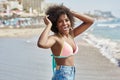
column 91, row 5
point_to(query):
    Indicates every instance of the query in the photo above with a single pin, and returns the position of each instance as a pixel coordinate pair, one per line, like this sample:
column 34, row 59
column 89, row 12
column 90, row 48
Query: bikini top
column 66, row 51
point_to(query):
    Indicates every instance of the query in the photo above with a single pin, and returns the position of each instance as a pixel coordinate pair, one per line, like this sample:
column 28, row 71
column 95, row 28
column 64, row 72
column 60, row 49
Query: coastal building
column 36, row 7
column 106, row 14
column 98, row 14
column 1, row 7
column 33, row 5
column 10, row 4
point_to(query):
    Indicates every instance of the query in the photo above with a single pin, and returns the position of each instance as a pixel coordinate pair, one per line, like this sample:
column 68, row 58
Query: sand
column 22, row 32
column 91, row 65
column 89, row 62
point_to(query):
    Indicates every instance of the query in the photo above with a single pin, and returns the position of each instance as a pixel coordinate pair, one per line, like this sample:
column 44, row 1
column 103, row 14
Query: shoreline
column 32, row 32
column 20, row 32
column 92, row 65
column 26, row 61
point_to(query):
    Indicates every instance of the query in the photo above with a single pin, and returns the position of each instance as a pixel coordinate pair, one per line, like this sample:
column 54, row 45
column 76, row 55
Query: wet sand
column 91, row 65
column 33, row 63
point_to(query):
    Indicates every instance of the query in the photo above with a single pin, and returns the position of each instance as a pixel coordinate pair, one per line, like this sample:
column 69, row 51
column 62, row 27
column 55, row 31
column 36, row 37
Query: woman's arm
column 87, row 22
column 46, row 41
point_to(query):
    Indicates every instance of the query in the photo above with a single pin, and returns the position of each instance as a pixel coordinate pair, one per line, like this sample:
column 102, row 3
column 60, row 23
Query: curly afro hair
column 55, row 12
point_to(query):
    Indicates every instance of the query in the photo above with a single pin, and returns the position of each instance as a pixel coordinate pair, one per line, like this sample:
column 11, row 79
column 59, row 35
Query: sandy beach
column 89, row 62
column 91, row 65
column 20, row 32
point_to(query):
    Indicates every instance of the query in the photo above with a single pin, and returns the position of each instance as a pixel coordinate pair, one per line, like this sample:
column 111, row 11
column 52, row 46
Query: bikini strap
column 53, row 63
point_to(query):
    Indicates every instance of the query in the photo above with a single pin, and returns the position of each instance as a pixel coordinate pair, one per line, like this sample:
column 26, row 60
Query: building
column 32, row 5
column 35, row 5
column 6, row 6
column 105, row 14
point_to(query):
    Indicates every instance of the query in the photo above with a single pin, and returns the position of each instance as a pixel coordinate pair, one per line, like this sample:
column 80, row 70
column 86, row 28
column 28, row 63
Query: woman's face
column 63, row 24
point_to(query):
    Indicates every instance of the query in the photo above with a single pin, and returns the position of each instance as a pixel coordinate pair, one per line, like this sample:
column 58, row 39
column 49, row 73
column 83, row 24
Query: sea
column 105, row 35
column 21, row 59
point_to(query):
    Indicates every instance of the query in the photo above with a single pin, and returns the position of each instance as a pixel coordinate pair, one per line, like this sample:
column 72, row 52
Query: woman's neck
column 64, row 35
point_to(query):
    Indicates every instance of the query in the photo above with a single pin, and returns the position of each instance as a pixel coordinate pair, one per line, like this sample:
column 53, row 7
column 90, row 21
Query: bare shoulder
column 58, row 39
column 55, row 37
column 58, row 44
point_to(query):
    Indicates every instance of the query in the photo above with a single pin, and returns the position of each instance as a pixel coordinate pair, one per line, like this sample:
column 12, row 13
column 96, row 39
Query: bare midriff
column 68, row 61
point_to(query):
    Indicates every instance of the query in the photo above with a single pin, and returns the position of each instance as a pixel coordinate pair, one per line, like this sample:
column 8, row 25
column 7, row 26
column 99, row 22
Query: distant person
column 60, row 20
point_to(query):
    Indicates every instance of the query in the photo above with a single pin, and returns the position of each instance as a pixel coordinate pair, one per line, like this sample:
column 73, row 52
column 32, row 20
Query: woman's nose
column 64, row 22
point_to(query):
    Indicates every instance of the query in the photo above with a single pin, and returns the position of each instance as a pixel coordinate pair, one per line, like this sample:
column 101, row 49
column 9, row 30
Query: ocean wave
column 107, row 47
column 108, row 25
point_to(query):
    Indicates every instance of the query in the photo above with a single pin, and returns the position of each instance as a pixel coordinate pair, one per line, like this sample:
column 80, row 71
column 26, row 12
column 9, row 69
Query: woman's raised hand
column 47, row 21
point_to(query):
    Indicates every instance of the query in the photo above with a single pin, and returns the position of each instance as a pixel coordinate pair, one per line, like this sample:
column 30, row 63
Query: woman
column 60, row 20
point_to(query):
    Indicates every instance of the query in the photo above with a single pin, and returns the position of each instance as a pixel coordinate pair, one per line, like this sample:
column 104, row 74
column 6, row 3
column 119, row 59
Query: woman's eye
column 59, row 21
column 66, row 20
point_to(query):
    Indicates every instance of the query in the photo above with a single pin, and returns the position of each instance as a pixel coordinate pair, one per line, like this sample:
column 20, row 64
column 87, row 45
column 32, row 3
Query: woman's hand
column 46, row 41
column 47, row 21
column 87, row 22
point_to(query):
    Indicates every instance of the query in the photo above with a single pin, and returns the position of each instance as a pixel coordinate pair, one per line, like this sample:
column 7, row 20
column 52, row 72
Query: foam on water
column 107, row 47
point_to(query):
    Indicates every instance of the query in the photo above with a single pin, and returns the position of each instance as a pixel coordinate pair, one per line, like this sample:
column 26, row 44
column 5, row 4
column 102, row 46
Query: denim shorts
column 64, row 73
